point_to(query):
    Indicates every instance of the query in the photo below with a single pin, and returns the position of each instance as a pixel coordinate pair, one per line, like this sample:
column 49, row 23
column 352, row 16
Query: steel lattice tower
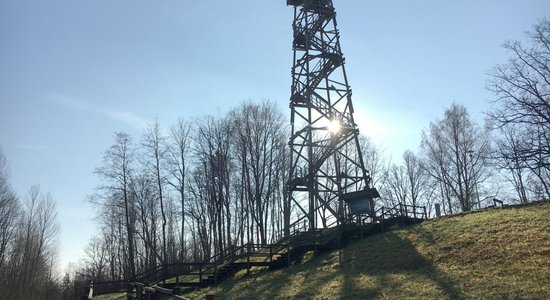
column 326, row 161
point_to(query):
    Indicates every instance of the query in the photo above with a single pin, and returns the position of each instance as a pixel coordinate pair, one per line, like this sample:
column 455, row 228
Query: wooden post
column 339, row 242
column 382, row 219
column 288, row 253
column 139, row 291
column 360, row 231
column 215, row 272
column 425, row 214
column 248, row 259
column 314, row 244
column 401, row 213
column 150, row 292
column 129, row 290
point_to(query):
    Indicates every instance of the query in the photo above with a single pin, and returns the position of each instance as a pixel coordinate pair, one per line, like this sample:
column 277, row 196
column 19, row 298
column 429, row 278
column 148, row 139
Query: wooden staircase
column 225, row 272
column 170, row 279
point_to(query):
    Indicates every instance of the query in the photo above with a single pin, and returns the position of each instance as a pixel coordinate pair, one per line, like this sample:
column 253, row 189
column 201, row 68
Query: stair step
column 278, row 266
column 324, row 241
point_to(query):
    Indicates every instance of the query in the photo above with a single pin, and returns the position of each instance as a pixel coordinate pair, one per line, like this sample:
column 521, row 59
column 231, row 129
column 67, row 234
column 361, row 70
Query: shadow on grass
column 396, row 269
column 380, row 266
column 290, row 278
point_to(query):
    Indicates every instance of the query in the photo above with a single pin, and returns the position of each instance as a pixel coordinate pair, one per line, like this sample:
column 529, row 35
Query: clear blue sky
column 72, row 72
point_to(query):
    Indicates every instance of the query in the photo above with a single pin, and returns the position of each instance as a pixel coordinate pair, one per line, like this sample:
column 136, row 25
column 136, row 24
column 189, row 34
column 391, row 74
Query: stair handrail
column 402, row 210
column 235, row 253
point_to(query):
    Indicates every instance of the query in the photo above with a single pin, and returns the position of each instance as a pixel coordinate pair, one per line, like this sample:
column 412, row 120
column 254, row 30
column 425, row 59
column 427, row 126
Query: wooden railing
column 250, row 254
column 400, row 213
column 107, row 287
column 146, row 292
column 246, row 256
column 402, row 210
column 198, row 271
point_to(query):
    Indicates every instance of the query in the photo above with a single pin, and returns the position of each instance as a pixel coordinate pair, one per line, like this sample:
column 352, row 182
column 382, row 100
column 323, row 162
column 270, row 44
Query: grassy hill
column 493, row 254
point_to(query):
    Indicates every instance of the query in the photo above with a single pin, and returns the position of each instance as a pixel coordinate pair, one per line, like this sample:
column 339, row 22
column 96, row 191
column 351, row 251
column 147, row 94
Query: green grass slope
column 494, row 254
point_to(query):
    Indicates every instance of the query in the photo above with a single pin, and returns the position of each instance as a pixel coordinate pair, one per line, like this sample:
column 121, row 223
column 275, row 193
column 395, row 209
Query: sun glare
column 334, row 126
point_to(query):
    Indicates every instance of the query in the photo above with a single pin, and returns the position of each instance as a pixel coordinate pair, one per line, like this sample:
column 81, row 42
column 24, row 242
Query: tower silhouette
column 326, row 163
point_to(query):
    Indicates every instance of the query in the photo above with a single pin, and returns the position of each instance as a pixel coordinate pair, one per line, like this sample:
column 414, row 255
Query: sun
column 334, row 126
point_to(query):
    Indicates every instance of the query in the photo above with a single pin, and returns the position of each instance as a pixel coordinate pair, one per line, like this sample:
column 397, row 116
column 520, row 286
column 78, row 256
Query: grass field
column 494, row 254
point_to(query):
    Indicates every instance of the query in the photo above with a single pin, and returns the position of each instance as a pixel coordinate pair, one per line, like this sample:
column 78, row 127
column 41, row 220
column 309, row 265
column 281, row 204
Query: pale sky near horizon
column 73, row 72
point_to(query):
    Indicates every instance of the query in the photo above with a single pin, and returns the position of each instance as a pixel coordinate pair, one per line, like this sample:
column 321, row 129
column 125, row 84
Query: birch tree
column 457, row 152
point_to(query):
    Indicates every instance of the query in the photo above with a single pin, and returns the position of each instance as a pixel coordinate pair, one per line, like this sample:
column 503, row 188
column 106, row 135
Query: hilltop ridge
column 497, row 253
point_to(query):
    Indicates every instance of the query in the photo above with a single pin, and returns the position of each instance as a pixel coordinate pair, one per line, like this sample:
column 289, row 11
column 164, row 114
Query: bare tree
column 155, row 154
column 179, row 146
column 457, row 151
column 522, row 90
column 375, row 160
column 96, row 258
column 396, row 187
column 415, row 176
column 34, row 253
column 259, row 140
column 9, row 214
column 508, row 157
column 407, row 183
column 200, row 211
column 213, row 153
column 116, row 172
column 147, row 219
